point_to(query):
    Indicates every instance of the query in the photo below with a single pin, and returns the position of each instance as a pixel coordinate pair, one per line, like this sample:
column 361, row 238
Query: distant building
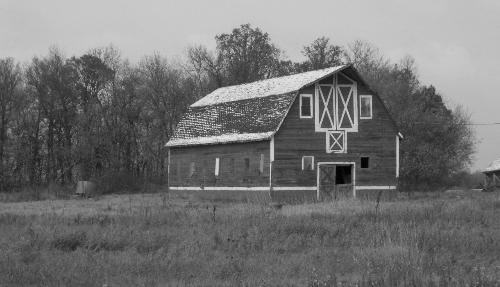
column 492, row 173
column 315, row 135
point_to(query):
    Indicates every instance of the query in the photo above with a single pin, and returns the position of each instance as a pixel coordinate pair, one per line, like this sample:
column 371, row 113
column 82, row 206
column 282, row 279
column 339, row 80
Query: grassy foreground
column 155, row 240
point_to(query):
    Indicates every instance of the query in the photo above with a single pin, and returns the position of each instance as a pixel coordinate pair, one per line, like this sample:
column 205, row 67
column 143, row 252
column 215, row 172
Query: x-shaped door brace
column 336, row 141
column 345, row 107
column 326, row 107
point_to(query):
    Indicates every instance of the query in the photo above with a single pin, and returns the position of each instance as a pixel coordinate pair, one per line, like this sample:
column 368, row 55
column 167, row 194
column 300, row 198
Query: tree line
column 100, row 117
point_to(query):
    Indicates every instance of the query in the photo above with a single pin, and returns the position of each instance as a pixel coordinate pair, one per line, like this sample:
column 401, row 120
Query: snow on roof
column 494, row 166
column 245, row 120
column 264, row 88
column 226, row 138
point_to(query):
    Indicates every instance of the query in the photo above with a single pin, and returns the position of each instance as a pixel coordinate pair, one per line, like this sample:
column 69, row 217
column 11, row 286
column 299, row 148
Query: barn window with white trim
column 365, row 108
column 306, row 107
column 308, row 163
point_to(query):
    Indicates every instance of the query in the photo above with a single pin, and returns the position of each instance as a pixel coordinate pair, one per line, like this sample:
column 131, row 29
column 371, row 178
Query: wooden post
column 168, row 171
column 271, row 179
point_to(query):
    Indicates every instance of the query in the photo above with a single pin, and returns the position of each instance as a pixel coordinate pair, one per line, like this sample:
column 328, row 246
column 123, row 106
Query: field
column 446, row 239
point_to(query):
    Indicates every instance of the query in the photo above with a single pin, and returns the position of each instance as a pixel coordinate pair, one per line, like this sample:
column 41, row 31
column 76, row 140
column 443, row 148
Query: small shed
column 492, row 172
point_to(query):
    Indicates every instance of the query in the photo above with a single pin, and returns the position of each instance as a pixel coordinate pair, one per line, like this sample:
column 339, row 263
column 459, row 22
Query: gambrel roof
column 238, row 121
column 264, row 88
column 244, row 113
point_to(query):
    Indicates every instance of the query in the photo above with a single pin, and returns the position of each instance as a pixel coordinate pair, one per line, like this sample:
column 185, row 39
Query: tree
column 321, row 54
column 93, row 77
column 10, row 77
column 247, row 55
column 439, row 142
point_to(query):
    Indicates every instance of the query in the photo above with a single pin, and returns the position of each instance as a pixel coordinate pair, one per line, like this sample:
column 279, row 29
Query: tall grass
column 451, row 241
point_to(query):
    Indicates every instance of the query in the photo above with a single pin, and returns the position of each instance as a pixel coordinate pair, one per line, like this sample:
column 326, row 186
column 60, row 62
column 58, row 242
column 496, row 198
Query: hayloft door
column 325, row 108
column 347, row 104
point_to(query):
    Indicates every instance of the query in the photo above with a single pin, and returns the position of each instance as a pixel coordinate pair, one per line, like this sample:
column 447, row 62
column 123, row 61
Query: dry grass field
column 447, row 239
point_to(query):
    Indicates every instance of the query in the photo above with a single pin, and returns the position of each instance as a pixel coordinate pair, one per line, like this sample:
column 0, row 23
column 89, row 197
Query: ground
column 445, row 239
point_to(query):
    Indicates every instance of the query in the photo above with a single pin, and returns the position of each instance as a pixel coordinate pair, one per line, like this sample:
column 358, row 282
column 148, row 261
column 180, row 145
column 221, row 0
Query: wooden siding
column 232, row 169
column 376, row 139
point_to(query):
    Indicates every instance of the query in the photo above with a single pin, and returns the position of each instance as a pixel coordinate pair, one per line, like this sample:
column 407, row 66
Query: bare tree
column 10, row 77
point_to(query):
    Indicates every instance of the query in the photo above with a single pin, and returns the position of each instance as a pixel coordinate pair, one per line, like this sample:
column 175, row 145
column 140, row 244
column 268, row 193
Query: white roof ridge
column 265, row 87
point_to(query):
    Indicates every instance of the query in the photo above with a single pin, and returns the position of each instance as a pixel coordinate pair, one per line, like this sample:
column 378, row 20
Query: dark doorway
column 343, row 174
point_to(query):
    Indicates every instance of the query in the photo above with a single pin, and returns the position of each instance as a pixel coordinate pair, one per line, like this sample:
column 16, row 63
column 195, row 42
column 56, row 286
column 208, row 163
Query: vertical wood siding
column 232, row 169
column 374, row 139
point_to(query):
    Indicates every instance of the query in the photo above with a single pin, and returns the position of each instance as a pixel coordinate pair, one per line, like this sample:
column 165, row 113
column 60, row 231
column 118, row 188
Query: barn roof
column 264, row 88
column 237, row 121
column 243, row 113
column 494, row 166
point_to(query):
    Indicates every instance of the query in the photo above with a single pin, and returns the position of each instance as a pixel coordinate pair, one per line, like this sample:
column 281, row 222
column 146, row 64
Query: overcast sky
column 455, row 43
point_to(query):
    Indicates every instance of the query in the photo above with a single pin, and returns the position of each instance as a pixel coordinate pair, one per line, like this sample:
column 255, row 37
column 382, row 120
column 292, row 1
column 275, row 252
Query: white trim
column 337, row 163
column 312, row 164
column 400, row 135
column 310, row 96
column 217, row 163
column 213, row 188
column 271, row 161
column 295, row 188
column 243, row 188
column 381, row 187
column 397, row 156
column 361, row 97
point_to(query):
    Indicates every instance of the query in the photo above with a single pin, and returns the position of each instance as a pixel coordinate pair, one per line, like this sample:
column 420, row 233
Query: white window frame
column 310, row 96
column 344, row 144
column 217, row 166
column 303, row 163
column 361, row 97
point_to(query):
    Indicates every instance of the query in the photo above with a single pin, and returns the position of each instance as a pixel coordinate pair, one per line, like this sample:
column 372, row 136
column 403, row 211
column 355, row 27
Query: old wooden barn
column 315, row 135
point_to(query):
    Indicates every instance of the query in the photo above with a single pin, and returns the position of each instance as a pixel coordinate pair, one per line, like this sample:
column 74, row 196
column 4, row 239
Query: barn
column 492, row 176
column 316, row 135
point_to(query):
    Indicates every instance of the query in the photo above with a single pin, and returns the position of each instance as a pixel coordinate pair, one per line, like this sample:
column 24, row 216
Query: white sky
column 455, row 43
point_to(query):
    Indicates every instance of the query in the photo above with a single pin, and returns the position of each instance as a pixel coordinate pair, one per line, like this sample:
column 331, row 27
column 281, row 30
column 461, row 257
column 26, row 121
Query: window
column 192, row 169
column 231, row 166
column 365, row 109
column 247, row 164
column 217, row 163
column 261, row 164
column 365, row 162
column 306, row 108
column 336, row 142
column 308, row 163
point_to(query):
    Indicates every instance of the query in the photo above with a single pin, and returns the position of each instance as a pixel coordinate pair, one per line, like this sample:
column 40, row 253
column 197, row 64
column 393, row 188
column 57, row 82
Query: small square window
column 306, row 108
column 365, row 108
column 308, row 163
column 365, row 162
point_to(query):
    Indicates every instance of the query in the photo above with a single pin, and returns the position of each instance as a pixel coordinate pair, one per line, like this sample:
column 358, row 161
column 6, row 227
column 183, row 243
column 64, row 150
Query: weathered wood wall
column 376, row 139
column 232, row 167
